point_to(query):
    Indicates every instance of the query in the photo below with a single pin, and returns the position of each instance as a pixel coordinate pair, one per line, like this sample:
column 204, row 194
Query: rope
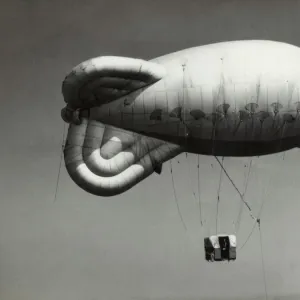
column 190, row 178
column 176, row 198
column 60, row 162
column 218, row 196
column 263, row 262
column 237, row 227
column 248, row 237
column 258, row 218
column 199, row 199
column 241, row 196
column 183, row 121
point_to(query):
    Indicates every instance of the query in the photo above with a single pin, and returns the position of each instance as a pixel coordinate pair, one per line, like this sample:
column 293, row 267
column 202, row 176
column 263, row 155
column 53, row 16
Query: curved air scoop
column 107, row 161
column 104, row 79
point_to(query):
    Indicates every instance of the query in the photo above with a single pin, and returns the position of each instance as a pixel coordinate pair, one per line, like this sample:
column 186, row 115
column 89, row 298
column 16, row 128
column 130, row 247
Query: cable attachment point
column 258, row 222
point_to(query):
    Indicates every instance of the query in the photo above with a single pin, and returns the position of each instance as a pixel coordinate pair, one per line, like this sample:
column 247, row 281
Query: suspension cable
column 240, row 194
column 237, row 225
column 190, row 178
column 60, row 161
column 218, row 195
column 258, row 217
column 253, row 227
column 176, row 198
column 262, row 261
column 199, row 198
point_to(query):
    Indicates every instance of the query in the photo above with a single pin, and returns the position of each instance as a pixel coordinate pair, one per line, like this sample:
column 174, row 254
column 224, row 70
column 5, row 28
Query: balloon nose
column 71, row 116
column 63, row 115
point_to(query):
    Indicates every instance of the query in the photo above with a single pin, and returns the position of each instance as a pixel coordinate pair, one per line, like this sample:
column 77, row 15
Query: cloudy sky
column 132, row 246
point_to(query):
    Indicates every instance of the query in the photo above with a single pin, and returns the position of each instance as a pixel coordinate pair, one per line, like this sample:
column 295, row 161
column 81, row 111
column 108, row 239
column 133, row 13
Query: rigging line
column 60, row 161
column 176, row 198
column 248, row 176
column 183, row 71
column 262, row 261
column 199, row 199
column 241, row 196
column 281, row 137
column 187, row 129
column 218, row 196
column 258, row 218
column 213, row 136
column 241, row 205
column 190, row 178
column 152, row 159
column 249, row 236
column 245, row 190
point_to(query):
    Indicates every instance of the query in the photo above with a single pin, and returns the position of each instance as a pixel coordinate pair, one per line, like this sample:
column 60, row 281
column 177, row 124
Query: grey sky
column 132, row 246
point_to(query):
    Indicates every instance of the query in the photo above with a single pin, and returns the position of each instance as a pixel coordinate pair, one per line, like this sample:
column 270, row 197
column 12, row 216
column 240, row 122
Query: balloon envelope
column 229, row 99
